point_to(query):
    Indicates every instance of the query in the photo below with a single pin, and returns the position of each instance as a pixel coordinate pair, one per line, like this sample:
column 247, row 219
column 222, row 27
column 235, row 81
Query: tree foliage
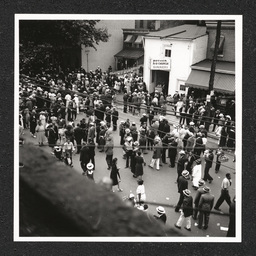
column 41, row 41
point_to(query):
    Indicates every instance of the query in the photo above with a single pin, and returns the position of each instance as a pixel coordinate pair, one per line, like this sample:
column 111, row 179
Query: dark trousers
column 83, row 165
column 164, row 155
column 223, row 196
column 78, row 144
column 217, row 167
column 207, row 176
column 179, row 202
column 203, row 216
column 195, row 212
column 92, row 161
column 150, row 143
column 128, row 157
column 125, row 108
column 109, row 159
column 114, row 125
column 172, row 159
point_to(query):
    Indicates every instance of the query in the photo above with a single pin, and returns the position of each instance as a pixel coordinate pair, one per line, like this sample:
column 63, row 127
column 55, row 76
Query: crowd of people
column 49, row 107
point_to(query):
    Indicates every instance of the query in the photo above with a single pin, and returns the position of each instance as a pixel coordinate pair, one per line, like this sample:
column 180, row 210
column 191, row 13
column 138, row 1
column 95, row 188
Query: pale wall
column 104, row 56
column 184, row 54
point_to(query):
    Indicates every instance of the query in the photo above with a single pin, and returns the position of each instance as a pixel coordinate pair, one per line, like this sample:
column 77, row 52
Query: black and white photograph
column 128, row 128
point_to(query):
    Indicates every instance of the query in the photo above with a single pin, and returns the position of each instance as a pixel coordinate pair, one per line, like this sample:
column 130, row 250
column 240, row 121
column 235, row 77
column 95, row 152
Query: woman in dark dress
column 139, row 160
column 135, row 149
column 114, row 175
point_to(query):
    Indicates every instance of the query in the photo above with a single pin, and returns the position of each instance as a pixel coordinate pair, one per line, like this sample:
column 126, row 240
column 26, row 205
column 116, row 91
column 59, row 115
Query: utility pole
column 215, row 55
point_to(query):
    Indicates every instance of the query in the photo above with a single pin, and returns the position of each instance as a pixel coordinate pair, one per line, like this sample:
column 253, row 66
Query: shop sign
column 164, row 64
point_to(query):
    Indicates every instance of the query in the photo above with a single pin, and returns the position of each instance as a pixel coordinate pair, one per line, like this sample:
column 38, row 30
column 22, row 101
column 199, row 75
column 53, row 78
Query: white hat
column 90, row 166
column 186, row 192
column 182, row 152
column 131, row 195
column 160, row 209
column 129, row 138
column 191, row 123
column 185, row 173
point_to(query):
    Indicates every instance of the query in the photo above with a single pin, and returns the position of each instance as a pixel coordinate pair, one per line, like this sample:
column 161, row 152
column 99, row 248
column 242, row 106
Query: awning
column 138, row 40
column 221, row 44
column 128, row 39
column 222, row 82
column 130, row 54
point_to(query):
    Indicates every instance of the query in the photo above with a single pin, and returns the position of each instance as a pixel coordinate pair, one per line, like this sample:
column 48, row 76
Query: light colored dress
column 196, row 174
column 141, row 190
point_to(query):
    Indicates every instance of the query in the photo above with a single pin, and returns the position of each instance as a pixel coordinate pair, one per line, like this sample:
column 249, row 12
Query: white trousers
column 157, row 161
column 181, row 220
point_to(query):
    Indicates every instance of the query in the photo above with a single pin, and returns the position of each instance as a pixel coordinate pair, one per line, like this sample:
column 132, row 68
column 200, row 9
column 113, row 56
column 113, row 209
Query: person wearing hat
column 172, row 150
column 199, row 192
column 187, row 210
column 108, row 116
column 161, row 214
column 208, row 156
column 115, row 115
column 182, row 185
column 181, row 164
column 198, row 145
column 134, row 131
column 128, row 150
column 131, row 200
column 115, row 175
column 143, row 119
column 84, row 156
column 68, row 149
column 89, row 171
column 108, row 148
column 157, row 153
column 205, row 206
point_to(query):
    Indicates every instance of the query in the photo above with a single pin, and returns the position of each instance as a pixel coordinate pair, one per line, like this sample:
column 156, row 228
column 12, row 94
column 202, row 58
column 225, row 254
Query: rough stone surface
column 57, row 201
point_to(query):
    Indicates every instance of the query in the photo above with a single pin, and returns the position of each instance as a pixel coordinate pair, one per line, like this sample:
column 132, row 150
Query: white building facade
column 104, row 55
column 169, row 54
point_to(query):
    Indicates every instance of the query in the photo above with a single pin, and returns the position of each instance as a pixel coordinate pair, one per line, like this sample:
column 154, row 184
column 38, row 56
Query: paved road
column 160, row 186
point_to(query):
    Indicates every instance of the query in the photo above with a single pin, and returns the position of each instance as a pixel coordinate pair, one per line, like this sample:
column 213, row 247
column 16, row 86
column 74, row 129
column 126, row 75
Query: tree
column 42, row 42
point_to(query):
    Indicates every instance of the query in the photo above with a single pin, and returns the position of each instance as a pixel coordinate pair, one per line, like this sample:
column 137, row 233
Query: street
column 160, row 185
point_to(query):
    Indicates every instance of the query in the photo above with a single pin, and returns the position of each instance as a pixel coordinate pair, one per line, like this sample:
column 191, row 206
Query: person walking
column 205, row 206
column 68, row 149
column 78, row 134
column 128, row 150
column 181, row 164
column 172, row 151
column 115, row 175
column 109, row 151
column 89, row 171
column 157, row 152
column 140, row 191
column 91, row 146
column 40, row 133
column 208, row 156
column 115, row 115
column 139, row 160
column 219, row 154
column 84, row 156
column 196, row 174
column 187, row 210
column 182, row 185
column 199, row 193
column 226, row 183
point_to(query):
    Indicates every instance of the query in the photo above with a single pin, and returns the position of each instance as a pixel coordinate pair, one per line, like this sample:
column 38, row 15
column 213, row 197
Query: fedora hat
column 186, row 192
column 90, row 166
column 160, row 209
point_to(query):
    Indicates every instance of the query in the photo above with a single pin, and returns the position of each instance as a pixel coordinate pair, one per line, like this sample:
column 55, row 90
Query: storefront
column 169, row 54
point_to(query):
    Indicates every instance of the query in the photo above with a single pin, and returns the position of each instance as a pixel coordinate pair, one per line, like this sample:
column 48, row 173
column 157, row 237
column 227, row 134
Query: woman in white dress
column 196, row 173
column 141, row 195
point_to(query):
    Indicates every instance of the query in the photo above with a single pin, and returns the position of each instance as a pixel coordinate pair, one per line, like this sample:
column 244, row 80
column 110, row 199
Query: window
column 168, row 53
column 141, row 23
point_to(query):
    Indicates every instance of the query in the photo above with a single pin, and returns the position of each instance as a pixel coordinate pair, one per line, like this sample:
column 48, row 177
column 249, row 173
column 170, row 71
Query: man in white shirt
column 226, row 183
